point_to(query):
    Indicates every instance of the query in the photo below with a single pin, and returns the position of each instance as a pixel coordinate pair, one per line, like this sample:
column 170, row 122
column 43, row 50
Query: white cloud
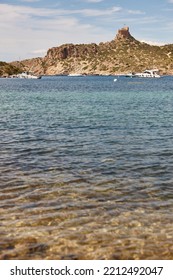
column 23, row 29
column 30, row 1
column 94, row 1
column 95, row 12
column 19, row 11
column 41, row 52
column 136, row 12
column 153, row 43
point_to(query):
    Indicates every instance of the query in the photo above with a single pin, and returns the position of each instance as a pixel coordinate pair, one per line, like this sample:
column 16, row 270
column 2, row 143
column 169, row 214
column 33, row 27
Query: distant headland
column 121, row 55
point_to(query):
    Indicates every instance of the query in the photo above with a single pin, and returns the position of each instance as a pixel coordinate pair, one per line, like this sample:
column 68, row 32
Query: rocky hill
column 121, row 55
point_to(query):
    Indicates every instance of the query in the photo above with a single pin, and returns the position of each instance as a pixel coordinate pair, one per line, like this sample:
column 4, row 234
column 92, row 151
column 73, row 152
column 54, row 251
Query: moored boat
column 27, row 75
column 153, row 73
column 75, row 75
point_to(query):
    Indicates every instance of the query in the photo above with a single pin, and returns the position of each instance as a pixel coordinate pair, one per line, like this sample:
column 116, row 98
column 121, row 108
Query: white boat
column 75, row 75
column 148, row 74
column 153, row 73
column 27, row 75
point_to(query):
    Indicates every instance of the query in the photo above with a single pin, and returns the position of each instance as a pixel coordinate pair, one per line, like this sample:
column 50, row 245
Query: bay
column 86, row 168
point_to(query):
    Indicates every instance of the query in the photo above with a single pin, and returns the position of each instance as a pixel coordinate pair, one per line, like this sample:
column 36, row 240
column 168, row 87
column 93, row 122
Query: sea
column 86, row 168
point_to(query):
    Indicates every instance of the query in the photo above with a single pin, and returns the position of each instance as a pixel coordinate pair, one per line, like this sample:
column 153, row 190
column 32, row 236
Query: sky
column 28, row 28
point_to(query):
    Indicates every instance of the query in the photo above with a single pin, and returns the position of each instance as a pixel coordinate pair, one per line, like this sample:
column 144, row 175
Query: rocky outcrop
column 71, row 50
column 121, row 55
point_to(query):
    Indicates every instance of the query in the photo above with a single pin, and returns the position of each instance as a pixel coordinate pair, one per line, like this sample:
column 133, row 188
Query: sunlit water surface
column 86, row 168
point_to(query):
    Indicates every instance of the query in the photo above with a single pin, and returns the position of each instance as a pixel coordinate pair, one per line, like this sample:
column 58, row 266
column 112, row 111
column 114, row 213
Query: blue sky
column 28, row 28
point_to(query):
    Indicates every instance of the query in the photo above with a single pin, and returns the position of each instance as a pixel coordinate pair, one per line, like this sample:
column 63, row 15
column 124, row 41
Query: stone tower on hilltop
column 123, row 34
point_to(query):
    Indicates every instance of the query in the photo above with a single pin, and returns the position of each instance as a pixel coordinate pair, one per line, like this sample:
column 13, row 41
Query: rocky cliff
column 121, row 55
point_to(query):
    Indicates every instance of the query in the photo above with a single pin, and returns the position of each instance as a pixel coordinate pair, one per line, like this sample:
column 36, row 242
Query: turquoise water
column 86, row 168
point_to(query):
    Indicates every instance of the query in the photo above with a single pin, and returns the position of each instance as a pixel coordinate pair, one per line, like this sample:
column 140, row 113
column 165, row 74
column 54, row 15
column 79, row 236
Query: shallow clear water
column 86, row 168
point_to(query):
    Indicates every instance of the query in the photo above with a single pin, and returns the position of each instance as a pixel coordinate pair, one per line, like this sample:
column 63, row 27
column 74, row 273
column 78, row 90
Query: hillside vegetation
column 7, row 69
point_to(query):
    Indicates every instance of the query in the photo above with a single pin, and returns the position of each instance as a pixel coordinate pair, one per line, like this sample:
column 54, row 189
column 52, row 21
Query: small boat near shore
column 27, row 75
column 153, row 73
column 75, row 75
